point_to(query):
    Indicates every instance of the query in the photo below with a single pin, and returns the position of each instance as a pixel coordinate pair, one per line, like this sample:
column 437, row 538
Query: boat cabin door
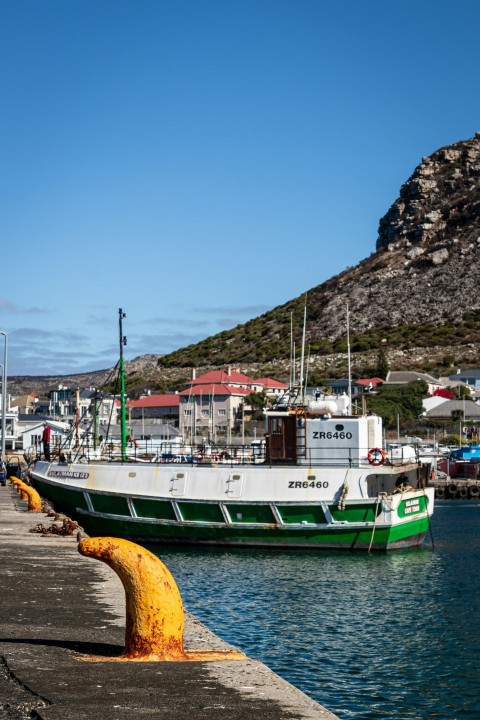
column 281, row 439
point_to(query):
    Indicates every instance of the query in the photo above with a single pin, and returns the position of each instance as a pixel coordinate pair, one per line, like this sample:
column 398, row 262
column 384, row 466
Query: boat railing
column 235, row 455
column 166, row 452
column 340, row 456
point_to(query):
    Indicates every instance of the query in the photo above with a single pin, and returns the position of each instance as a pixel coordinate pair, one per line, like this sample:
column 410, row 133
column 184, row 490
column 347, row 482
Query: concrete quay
column 56, row 606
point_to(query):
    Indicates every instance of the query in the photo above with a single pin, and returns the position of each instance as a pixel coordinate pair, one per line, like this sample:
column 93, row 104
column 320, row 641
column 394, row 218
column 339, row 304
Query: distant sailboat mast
column 123, row 414
column 349, row 362
column 302, row 359
column 292, row 356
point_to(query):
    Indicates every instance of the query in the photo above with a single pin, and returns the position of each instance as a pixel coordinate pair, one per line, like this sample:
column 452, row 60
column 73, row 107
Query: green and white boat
column 323, row 482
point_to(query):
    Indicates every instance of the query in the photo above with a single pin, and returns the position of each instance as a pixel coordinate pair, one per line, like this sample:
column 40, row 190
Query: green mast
column 123, row 416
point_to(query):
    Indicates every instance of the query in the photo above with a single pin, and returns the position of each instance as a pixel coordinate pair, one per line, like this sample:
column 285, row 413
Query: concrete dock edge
column 56, row 604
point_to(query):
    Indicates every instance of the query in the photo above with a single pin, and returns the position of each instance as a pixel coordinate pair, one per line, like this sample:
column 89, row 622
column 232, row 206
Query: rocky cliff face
column 426, row 268
column 438, row 205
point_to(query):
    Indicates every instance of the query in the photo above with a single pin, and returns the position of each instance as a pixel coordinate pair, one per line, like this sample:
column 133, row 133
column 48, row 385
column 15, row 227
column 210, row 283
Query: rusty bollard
column 154, row 609
column 28, row 493
column 18, row 487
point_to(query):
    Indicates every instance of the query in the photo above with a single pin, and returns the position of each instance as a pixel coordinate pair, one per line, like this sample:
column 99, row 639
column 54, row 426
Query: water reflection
column 368, row 636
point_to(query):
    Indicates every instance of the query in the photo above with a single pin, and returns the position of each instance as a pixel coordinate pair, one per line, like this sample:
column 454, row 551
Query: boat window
column 276, row 426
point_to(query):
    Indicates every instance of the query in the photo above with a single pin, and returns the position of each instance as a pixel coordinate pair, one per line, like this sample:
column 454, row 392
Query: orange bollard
column 16, row 482
column 154, row 609
column 28, row 493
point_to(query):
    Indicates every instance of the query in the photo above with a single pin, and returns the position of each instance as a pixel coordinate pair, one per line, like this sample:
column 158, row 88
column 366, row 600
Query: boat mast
column 77, row 417
column 349, row 363
column 302, row 360
column 292, row 357
column 123, row 414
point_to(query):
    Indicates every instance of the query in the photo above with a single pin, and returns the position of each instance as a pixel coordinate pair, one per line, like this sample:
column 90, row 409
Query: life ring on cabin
column 474, row 491
column 376, row 456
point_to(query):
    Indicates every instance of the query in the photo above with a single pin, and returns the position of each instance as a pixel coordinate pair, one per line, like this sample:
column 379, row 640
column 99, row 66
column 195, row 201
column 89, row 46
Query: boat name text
column 317, row 435
column 68, row 474
column 294, row 484
column 412, row 506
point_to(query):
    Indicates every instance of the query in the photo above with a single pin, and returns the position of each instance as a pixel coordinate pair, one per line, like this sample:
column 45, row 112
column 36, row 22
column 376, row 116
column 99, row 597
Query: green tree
column 461, row 392
column 402, row 400
column 382, row 365
column 257, row 400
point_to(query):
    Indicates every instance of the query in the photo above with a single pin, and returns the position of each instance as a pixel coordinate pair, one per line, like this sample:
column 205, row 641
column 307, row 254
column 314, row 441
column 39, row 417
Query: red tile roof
column 215, row 389
column 167, row 400
column 221, row 376
column 270, row 383
column 372, row 381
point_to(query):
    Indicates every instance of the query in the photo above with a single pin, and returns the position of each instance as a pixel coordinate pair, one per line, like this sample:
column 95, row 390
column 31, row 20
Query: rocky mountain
column 415, row 296
column 426, row 268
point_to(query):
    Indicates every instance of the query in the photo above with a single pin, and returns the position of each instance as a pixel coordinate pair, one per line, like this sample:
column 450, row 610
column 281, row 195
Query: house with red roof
column 162, row 407
column 272, row 388
column 211, row 408
column 232, row 377
column 217, row 400
column 369, row 384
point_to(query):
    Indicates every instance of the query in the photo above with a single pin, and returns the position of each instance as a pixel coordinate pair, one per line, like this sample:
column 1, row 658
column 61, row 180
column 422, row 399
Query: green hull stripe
column 111, row 504
column 148, row 526
column 155, row 509
column 298, row 514
column 201, row 512
column 399, row 536
column 245, row 513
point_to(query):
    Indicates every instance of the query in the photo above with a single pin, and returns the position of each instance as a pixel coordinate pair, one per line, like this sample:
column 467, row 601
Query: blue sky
column 199, row 162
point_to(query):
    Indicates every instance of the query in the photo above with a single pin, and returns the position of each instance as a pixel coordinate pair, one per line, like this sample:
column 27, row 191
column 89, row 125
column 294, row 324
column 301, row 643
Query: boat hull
column 392, row 523
column 383, row 539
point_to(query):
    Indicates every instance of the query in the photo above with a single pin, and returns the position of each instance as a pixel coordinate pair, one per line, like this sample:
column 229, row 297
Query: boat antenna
column 294, row 369
column 123, row 415
column 302, row 361
column 292, row 355
column 349, row 362
column 306, row 371
column 77, row 417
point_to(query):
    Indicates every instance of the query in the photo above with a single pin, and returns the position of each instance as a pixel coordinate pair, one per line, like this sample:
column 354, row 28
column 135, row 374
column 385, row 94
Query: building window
column 205, row 413
column 187, row 413
column 222, row 412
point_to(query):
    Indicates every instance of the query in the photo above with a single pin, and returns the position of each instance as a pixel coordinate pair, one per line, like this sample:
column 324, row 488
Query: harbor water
column 370, row 637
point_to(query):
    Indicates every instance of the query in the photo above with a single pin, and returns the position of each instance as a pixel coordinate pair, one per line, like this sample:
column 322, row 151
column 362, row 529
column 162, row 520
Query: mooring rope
column 379, row 497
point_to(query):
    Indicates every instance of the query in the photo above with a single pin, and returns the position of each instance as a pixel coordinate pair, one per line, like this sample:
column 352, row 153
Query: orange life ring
column 376, row 456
